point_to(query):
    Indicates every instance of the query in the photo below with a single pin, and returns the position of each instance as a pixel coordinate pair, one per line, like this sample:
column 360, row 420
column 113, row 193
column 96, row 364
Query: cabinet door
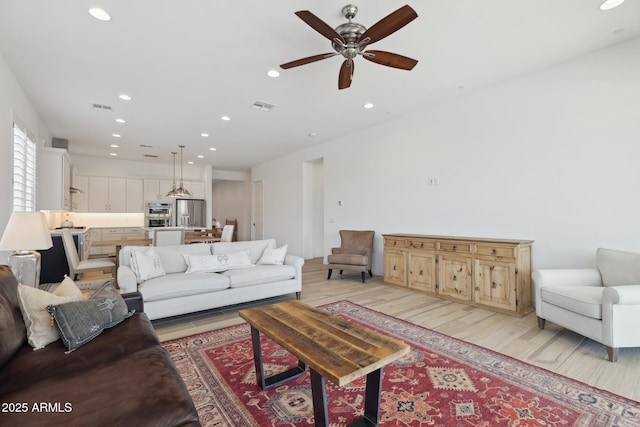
column 117, row 195
column 81, row 200
column 422, row 271
column 164, row 186
column 135, row 202
column 495, row 284
column 98, row 194
column 394, row 267
column 151, row 190
column 454, row 277
column 197, row 189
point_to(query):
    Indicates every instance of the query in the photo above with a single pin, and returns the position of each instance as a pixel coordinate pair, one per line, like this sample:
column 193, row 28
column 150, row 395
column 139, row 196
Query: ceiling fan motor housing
column 350, row 32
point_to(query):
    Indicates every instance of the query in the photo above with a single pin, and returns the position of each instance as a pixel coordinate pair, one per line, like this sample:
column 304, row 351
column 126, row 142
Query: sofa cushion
column 256, row 248
column 172, row 257
column 33, row 304
column 348, row 259
column 142, row 389
column 259, row 274
column 79, row 322
column 28, row 366
column 146, row 264
column 273, row 256
column 585, row 300
column 216, row 263
column 618, row 268
column 180, row 284
column 12, row 328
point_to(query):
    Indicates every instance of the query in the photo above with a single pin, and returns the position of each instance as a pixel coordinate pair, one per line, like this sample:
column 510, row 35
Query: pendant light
column 172, row 193
column 181, row 191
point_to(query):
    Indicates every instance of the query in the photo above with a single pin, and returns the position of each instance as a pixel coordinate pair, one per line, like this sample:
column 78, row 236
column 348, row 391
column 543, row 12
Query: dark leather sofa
column 121, row 378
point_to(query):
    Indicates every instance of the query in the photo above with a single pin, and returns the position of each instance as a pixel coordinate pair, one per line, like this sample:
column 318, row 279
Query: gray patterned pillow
column 79, row 322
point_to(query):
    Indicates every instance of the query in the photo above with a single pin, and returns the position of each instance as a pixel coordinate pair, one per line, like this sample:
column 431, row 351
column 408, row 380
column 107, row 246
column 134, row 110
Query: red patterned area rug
column 443, row 381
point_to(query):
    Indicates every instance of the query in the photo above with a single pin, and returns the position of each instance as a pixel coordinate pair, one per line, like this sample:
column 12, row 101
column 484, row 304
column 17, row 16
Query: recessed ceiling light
column 273, row 73
column 116, row 135
column 225, row 118
column 113, row 154
column 200, row 156
column 368, row 105
column 190, row 163
column 212, row 149
column 204, row 135
column 610, row 4
column 312, row 134
column 121, row 120
column 124, row 97
column 99, row 14
column 114, row 146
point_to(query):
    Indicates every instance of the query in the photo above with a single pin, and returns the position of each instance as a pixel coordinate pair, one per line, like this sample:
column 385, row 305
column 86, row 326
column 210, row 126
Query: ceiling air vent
column 262, row 106
column 146, row 146
column 103, row 107
column 153, row 156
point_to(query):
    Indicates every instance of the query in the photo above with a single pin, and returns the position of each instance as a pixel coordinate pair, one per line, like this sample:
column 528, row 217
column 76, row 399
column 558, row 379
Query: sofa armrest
column 127, row 280
column 336, row 251
column 134, row 301
column 624, row 295
column 297, row 263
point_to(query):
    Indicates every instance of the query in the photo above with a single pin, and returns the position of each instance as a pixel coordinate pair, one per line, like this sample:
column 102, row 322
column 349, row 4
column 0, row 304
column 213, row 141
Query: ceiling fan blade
column 307, row 60
column 346, row 74
column 319, row 25
column 390, row 59
column 390, row 24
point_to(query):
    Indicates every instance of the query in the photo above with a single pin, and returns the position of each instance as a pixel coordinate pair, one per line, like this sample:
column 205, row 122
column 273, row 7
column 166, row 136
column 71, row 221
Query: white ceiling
column 187, row 63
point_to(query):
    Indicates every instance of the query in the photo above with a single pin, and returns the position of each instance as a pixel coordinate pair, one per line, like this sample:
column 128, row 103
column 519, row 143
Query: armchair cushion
column 585, row 300
column 348, row 259
column 618, row 268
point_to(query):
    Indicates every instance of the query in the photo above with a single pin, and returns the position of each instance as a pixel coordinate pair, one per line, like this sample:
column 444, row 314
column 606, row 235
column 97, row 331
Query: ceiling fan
column 351, row 39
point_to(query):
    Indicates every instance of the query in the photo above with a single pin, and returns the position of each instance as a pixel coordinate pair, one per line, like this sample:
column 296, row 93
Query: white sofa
column 602, row 303
column 178, row 292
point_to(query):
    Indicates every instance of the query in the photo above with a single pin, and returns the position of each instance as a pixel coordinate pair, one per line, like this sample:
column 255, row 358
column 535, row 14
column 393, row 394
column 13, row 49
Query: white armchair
column 602, row 304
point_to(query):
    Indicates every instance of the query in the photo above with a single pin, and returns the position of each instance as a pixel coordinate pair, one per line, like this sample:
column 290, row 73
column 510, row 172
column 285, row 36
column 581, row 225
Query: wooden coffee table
column 333, row 348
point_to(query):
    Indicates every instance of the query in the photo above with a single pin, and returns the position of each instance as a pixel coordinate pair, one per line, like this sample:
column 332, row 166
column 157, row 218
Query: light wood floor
column 553, row 348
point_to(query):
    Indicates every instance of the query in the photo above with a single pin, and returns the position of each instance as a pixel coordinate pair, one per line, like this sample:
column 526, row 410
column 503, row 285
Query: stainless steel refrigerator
column 191, row 213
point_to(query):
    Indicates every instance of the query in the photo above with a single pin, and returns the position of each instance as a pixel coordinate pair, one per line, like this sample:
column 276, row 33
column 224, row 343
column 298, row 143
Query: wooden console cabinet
column 490, row 273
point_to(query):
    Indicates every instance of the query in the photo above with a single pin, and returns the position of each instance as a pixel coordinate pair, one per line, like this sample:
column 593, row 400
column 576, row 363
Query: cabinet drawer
column 456, row 247
column 394, row 242
column 111, row 231
column 421, row 244
column 494, row 250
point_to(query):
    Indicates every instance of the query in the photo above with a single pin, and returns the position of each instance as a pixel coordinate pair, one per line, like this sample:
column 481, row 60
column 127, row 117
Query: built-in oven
column 157, row 214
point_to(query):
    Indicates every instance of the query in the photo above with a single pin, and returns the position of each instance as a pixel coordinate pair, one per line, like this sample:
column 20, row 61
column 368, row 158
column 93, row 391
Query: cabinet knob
column 455, row 277
column 454, row 247
column 420, row 273
column 493, row 285
column 493, row 251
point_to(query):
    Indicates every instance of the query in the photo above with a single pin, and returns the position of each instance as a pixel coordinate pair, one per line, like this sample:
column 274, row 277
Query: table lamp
column 26, row 232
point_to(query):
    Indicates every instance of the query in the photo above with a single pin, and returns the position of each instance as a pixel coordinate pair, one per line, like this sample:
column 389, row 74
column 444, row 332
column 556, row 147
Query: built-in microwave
column 157, row 214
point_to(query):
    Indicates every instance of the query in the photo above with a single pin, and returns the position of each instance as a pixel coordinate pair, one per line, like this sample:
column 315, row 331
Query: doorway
column 257, row 209
column 313, row 208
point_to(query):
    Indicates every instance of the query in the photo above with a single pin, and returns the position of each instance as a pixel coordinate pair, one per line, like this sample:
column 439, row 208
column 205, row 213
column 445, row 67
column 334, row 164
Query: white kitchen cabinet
column 196, row 188
column 110, row 194
column 156, row 190
column 135, row 195
column 53, row 181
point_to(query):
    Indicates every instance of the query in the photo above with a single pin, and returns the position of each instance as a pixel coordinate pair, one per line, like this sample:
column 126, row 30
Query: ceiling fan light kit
column 351, row 39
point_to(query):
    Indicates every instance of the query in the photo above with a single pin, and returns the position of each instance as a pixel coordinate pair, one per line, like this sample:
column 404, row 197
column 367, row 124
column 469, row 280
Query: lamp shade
column 26, row 231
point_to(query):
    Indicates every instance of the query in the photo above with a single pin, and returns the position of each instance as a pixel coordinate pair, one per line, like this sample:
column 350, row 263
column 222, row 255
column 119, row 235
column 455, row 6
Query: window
column 24, row 170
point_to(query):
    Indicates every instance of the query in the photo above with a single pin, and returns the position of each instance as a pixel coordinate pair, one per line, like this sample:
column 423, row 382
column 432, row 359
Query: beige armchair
column 355, row 252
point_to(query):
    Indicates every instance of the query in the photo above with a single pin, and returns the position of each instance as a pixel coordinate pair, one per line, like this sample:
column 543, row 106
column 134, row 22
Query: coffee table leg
column 319, row 396
column 372, row 396
column 273, row 380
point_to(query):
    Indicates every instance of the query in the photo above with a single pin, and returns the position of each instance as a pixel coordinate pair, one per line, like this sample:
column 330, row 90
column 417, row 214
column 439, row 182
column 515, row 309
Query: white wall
column 551, row 156
column 14, row 105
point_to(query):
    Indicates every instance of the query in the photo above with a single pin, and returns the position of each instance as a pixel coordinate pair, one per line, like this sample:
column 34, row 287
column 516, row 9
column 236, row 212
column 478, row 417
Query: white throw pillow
column 146, row 265
column 274, row 256
column 217, row 263
column 33, row 305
